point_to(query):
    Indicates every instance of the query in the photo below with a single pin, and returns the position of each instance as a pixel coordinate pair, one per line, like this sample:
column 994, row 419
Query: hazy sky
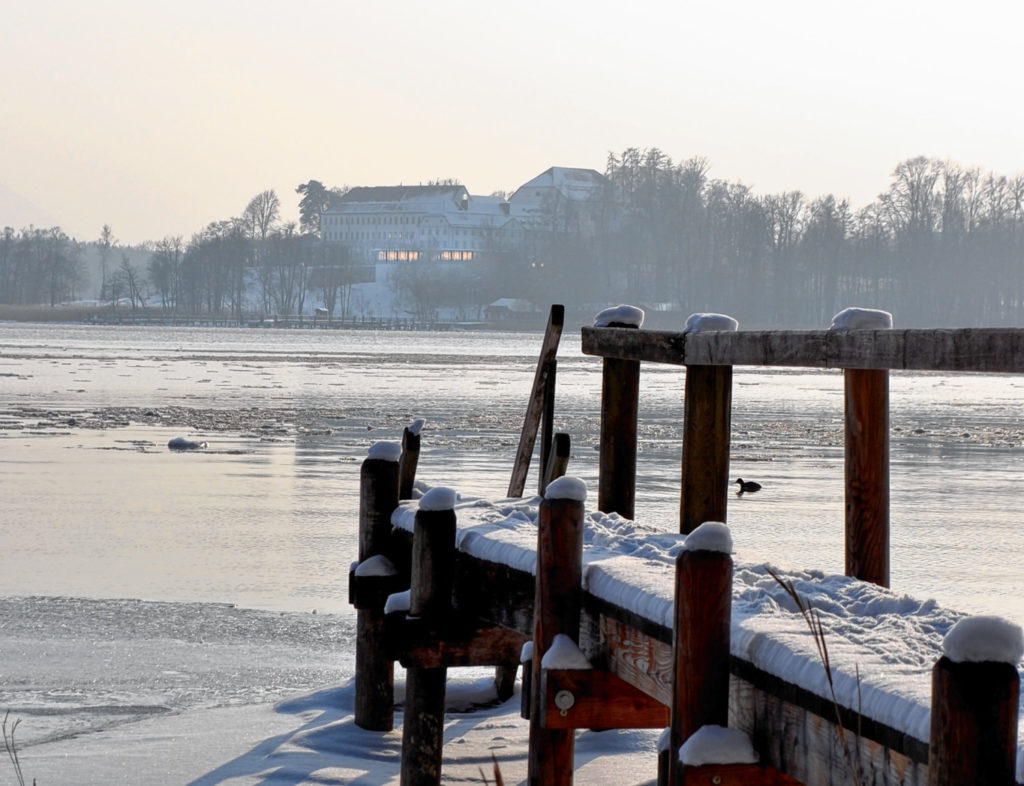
column 158, row 118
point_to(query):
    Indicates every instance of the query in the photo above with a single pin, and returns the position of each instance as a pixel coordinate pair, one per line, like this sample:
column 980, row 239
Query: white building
column 386, row 226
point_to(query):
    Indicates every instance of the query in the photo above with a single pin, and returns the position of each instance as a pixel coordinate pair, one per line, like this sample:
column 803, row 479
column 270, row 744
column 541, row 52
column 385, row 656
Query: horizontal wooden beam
column 591, row 699
column 994, row 350
column 416, row 645
column 736, row 775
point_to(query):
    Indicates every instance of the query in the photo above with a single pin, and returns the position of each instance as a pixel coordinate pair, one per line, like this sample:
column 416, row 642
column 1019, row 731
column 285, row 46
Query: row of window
column 352, row 220
column 414, row 256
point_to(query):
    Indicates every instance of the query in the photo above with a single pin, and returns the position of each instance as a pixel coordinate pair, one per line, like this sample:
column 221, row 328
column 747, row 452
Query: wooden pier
column 645, row 674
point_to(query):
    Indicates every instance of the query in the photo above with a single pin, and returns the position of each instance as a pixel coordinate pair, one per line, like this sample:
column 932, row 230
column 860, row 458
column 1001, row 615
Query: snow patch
column 567, row 487
column 705, row 323
column 620, row 316
column 854, row 318
column 377, row 565
column 385, row 451
column 398, row 601
column 526, row 654
column 983, row 638
column 439, row 498
column 717, row 745
column 416, row 426
column 710, row 536
column 564, row 654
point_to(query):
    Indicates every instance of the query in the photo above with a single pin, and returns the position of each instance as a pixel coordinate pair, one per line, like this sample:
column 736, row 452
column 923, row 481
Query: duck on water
column 747, row 486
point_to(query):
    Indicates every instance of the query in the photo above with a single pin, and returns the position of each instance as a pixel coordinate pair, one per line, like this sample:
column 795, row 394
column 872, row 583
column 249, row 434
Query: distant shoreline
column 48, row 313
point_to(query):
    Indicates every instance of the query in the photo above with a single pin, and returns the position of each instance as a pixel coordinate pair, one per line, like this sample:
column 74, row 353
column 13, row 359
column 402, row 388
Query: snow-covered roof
column 570, row 182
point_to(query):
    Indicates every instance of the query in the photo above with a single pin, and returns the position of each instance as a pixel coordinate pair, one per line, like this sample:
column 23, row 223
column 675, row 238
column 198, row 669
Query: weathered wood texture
column 700, row 654
column 707, row 419
column 528, row 436
column 975, row 708
column 736, row 775
column 620, row 394
column 867, row 474
column 940, row 349
column 601, row 700
column 796, row 732
column 557, row 610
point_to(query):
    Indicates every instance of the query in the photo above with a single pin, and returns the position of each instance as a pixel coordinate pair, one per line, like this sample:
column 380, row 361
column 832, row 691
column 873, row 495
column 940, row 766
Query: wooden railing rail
column 992, row 350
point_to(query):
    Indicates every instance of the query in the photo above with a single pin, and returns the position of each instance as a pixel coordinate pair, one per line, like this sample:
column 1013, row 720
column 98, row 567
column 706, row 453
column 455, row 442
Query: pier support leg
column 430, row 598
column 700, row 650
column 867, row 474
column 620, row 394
column 558, row 606
column 374, row 680
column 707, row 416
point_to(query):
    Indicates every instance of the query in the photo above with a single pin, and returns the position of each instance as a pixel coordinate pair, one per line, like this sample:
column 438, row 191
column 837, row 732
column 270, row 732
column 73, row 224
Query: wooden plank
column 415, row 644
column 808, row 746
column 528, row 436
column 600, row 700
column 736, row 775
column 642, row 660
column 993, row 350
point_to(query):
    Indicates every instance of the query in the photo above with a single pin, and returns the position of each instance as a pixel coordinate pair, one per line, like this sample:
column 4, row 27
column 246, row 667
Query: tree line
column 942, row 245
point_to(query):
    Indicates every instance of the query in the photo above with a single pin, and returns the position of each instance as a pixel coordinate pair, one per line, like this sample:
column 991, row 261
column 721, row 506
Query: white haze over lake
column 156, row 607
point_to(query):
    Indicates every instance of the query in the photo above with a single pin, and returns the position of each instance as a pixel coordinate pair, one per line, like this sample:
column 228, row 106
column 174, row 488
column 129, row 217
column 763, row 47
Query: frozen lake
column 136, row 581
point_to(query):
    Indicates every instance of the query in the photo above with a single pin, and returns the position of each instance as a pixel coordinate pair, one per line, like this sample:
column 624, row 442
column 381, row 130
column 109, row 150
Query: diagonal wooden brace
column 592, row 699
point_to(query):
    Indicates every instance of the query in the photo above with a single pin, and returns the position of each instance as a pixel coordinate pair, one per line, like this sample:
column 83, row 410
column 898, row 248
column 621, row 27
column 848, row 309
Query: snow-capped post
column 620, row 393
column 557, row 608
column 975, row 701
column 700, row 649
column 707, row 423
column 430, row 599
column 410, row 458
column 378, row 498
column 866, row 392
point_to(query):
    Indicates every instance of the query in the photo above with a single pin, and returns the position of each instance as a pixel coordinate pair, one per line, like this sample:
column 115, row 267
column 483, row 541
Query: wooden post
column 620, row 394
column 867, row 474
column 407, row 464
column 547, row 423
column 974, row 723
column 707, row 415
column 700, row 650
column 557, row 610
column 430, row 598
column 374, row 680
column 558, row 459
column 528, row 436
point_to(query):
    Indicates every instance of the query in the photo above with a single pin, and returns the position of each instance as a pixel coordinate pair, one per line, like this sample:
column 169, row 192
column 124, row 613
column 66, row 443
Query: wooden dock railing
column 644, row 674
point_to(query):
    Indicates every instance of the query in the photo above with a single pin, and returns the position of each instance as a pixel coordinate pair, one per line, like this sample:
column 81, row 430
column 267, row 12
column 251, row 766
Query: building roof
column 570, row 182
